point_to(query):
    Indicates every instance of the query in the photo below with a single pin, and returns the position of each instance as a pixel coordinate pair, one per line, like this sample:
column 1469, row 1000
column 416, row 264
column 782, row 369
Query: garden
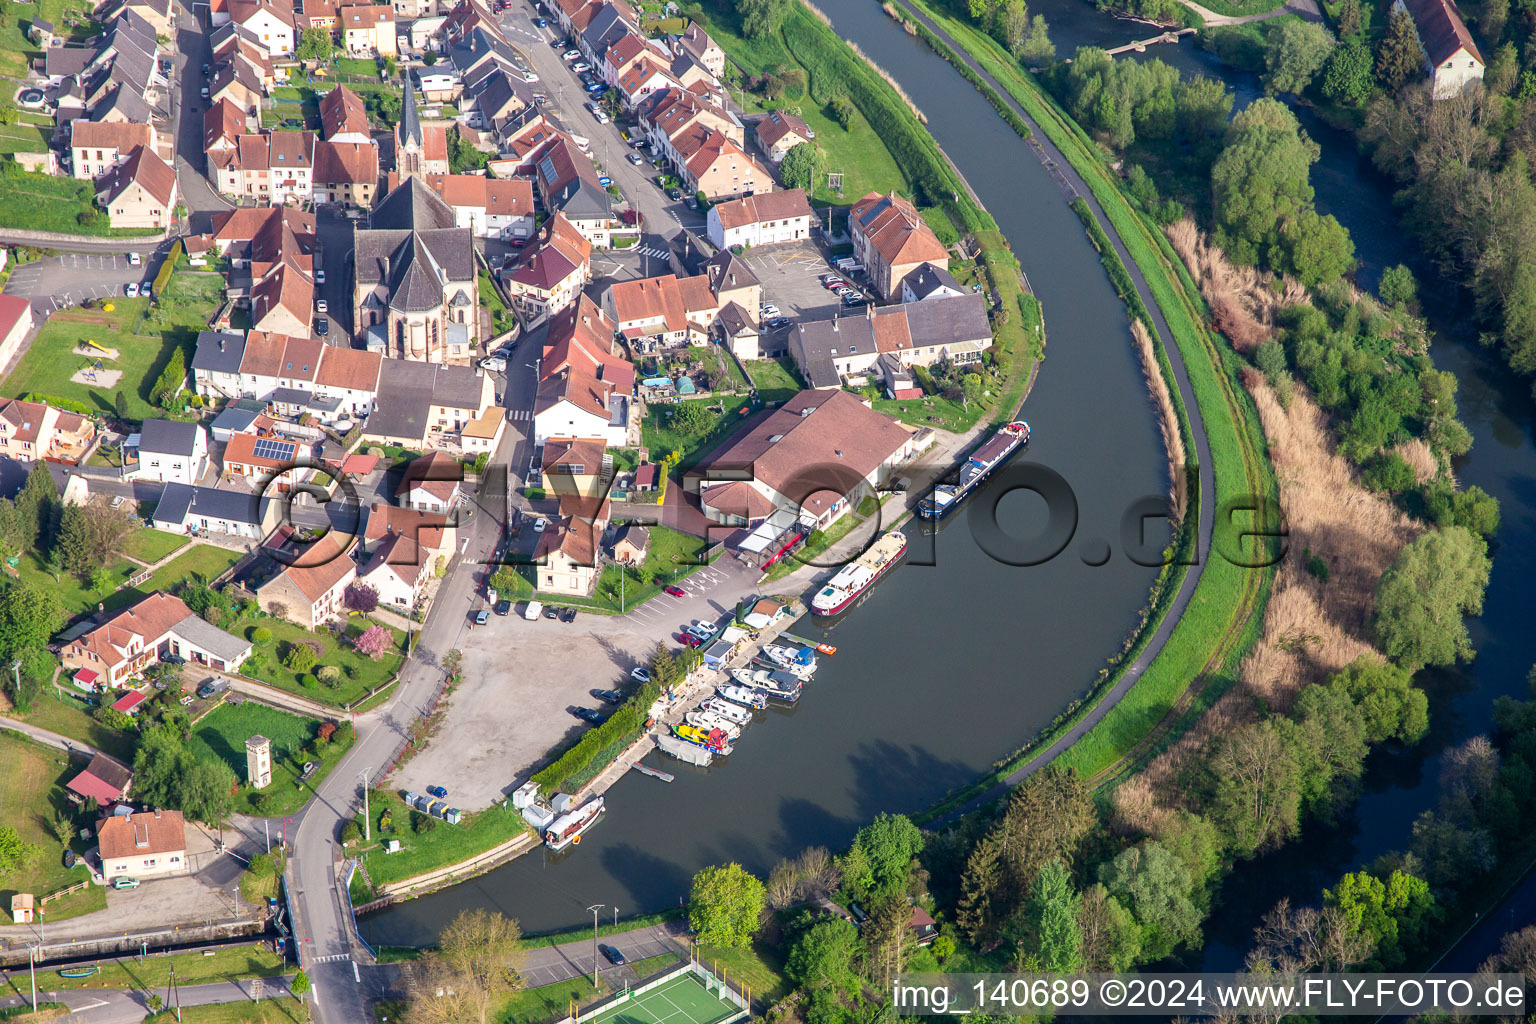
column 427, row 843
column 47, row 202
column 774, row 379
column 693, row 427
column 338, row 673
column 671, row 556
column 221, row 734
column 39, row 826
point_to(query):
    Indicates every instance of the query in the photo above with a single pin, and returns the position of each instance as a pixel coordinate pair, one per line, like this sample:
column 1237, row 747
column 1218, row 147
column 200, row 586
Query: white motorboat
column 566, row 830
column 733, row 713
column 708, row 720
column 745, row 696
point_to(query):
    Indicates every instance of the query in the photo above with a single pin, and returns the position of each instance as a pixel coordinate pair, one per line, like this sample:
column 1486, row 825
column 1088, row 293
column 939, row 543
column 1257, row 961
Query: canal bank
column 891, row 723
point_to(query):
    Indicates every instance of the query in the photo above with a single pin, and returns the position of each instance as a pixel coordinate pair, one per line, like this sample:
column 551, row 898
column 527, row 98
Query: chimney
column 834, row 323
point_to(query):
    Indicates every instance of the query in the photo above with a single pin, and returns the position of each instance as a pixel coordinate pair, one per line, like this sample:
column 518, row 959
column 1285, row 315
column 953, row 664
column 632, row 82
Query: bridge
column 1140, row 46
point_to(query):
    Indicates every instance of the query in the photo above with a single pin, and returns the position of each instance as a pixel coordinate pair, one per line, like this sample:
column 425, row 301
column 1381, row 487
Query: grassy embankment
column 149, row 975
column 221, row 735
column 435, row 847
column 31, row 796
column 1200, row 659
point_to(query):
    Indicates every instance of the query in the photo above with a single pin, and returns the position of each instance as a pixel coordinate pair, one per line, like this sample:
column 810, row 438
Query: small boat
column 744, row 696
column 733, row 713
column 708, row 720
column 566, row 830
column 998, row 449
column 713, row 739
column 781, row 655
column 804, row 673
column 855, row 578
column 775, row 683
column 78, row 972
column 686, row 752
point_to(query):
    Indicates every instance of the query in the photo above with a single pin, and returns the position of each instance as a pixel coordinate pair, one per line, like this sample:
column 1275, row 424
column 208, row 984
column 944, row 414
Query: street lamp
column 594, row 910
column 367, row 830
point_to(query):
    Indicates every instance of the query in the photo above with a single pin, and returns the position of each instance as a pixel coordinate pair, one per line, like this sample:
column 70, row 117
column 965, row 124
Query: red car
column 674, row 591
column 834, row 283
column 689, row 640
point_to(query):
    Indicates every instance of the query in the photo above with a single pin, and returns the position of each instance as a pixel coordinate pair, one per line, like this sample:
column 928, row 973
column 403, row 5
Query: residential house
column 401, row 547
column 419, row 149
column 552, row 273
column 275, row 167
column 170, row 452
column 256, row 460
column 349, row 379
column 431, row 483
column 716, row 166
column 566, row 555
column 891, row 240
column 488, row 207
column 237, row 82
column 929, row 281
column 105, row 780
column 369, row 31
column 575, row 465
column 731, row 280
column 643, row 79
column 235, row 233
column 202, row 511
column 500, row 95
column 666, row 311
column 343, row 117
column 631, row 543
column 322, row 14
column 439, row 84
column 223, row 124
column 146, row 844
column 737, row 329
column 815, row 456
column 41, row 32
column 1452, row 59
column 294, row 393
column 777, row 133
column 128, row 641
column 241, row 416
column 96, row 147
column 346, row 173
column 416, row 293
column 140, row 192
column 426, row 406
column 668, row 115
column 15, row 324
column 483, row 433
column 309, row 591
column 271, row 24
column 160, row 14
column 696, row 42
column 761, row 220
column 32, row 430
column 567, row 181
column 952, row 329
column 586, row 386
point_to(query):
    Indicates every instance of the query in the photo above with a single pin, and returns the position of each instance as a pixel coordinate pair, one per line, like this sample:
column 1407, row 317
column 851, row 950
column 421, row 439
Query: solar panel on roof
column 277, row 451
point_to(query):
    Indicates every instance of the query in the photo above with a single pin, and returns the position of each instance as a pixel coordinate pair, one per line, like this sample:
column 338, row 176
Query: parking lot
column 791, row 281
column 72, row 278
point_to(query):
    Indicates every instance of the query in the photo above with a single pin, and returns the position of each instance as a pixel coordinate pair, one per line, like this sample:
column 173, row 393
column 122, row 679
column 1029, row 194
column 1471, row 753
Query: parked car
column 635, row 159
column 614, row 956
column 543, row 23
column 558, row 43
column 539, row 524
column 780, row 321
column 769, row 309
column 581, row 66
column 551, row 612
column 597, row 87
column 600, row 117
column 689, row 640
column 640, row 674
column 853, row 299
column 322, row 326
column 674, row 591
column 570, row 55
column 834, row 283
column 591, row 107
column 674, row 194
column 608, row 696
column 322, row 306
column 437, row 791
column 591, row 715
column 605, row 181
column 131, row 289
column 124, row 882
column 211, row 687
column 568, row 615
column 319, row 276
column 482, row 617
column 503, row 607
column 310, row 767
column 134, row 259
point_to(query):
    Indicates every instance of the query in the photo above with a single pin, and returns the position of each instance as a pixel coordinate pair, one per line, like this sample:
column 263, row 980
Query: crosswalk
column 519, row 415
column 650, row 251
column 332, row 958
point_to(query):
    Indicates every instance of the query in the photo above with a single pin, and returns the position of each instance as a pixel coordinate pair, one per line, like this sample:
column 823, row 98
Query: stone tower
column 410, row 141
column 258, row 762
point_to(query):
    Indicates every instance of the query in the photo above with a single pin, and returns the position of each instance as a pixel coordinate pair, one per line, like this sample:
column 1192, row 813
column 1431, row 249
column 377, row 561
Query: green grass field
column 205, row 560
column 222, row 734
column 269, row 1011
column 23, row 138
column 255, row 961
column 77, row 595
column 360, row 674
column 682, row 1000
column 69, row 717
column 31, row 793
column 149, row 546
column 47, row 366
column 932, row 411
column 760, row 967
column 445, row 844
column 774, row 379
column 657, row 435
column 672, row 555
column 16, row 50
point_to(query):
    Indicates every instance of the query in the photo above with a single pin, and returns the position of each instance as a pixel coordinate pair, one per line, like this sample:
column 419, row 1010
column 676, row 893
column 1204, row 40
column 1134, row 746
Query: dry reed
column 1417, row 453
column 1243, row 300
column 1167, row 419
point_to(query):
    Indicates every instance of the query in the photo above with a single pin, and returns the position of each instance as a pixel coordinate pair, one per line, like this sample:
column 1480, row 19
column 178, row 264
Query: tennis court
column 682, row 1000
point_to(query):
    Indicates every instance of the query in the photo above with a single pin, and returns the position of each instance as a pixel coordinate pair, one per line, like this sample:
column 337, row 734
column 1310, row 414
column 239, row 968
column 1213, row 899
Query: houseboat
column 855, row 578
column 997, row 450
column 566, row 830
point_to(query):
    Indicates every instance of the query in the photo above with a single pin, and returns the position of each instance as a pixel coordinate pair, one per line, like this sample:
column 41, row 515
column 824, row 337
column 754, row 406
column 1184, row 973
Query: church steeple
column 409, row 138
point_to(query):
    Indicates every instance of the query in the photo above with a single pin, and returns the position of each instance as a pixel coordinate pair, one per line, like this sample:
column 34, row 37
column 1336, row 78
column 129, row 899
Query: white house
column 1451, row 57
column 431, row 483
column 266, row 23
column 764, row 219
column 401, row 546
column 149, row 844
column 171, row 452
column 350, row 377
column 211, row 510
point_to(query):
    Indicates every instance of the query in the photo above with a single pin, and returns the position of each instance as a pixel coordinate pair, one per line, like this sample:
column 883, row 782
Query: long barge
column 997, row 450
column 855, row 578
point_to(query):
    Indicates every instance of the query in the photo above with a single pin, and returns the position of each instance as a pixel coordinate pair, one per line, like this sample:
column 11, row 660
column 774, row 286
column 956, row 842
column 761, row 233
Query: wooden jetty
column 655, row 773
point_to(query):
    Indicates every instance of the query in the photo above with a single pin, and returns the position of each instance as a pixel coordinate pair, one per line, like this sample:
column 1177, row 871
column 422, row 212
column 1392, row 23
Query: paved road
column 1074, row 187
column 52, row 739
column 552, row 964
column 110, row 1006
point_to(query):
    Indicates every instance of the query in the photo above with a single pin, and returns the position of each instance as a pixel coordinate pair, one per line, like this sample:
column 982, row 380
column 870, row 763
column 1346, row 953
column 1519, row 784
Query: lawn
column 360, row 674
column 76, row 594
column 16, row 50
column 31, row 792
column 45, row 202
column 222, row 734
column 23, row 138
column 932, row 411
column 268, row 1011
column 205, row 560
column 443, row 845
column 149, row 546
column 47, row 366
column 71, row 717
column 501, row 317
column 658, row 437
column 857, row 151
column 253, row 961
column 759, row 968
column 672, row 556
column 774, row 379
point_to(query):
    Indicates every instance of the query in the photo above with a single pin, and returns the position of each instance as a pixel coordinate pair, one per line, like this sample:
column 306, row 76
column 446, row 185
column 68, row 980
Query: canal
column 949, row 666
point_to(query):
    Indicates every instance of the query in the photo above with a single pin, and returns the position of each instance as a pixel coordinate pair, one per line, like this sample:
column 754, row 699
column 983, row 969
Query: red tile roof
column 146, row 833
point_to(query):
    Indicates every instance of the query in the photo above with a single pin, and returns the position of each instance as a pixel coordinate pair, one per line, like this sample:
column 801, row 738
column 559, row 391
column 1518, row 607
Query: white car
column 131, row 289
column 321, row 305
column 581, row 66
column 769, row 309
column 600, row 117
column 116, row 502
column 495, row 364
column 539, row 524
column 134, row 259
column 570, row 55
column 319, row 276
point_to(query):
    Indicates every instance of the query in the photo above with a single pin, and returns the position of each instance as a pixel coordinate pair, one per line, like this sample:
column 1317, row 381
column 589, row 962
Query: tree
column 820, row 962
column 760, row 18
column 1257, row 798
column 1111, row 940
column 1422, row 598
column 1318, row 250
column 692, row 418
column 1392, row 914
column 373, row 642
column 1350, row 21
column 15, row 852
column 29, row 616
column 120, row 406
column 505, row 581
column 361, row 597
column 171, row 381
column 1261, row 180
column 841, row 110
column 463, row 157
column 1347, row 75
column 803, row 167
column 1391, row 707
column 1399, row 56
column 37, row 508
column 260, row 635
column 203, row 789
column 330, row 675
column 725, row 904
column 1398, row 287
column 1053, row 919
column 476, row 966
column 887, row 845
column 1295, row 54
column 315, row 44
column 1155, row 887
column 300, row 985
column 300, row 657
column 1037, row 49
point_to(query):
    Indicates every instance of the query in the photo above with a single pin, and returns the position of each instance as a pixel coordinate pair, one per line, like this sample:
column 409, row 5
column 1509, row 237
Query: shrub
column 327, row 731
column 841, row 111
column 300, row 657
column 351, row 832
column 421, row 824
column 330, row 675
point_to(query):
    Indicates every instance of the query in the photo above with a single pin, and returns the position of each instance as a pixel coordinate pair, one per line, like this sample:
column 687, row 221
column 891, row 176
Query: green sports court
column 684, row 999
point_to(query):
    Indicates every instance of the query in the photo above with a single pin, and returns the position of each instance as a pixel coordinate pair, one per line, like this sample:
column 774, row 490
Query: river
column 947, row 667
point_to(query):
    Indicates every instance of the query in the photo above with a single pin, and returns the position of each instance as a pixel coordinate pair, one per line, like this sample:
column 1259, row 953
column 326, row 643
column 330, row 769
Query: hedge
column 602, row 743
column 65, row 404
column 172, row 260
